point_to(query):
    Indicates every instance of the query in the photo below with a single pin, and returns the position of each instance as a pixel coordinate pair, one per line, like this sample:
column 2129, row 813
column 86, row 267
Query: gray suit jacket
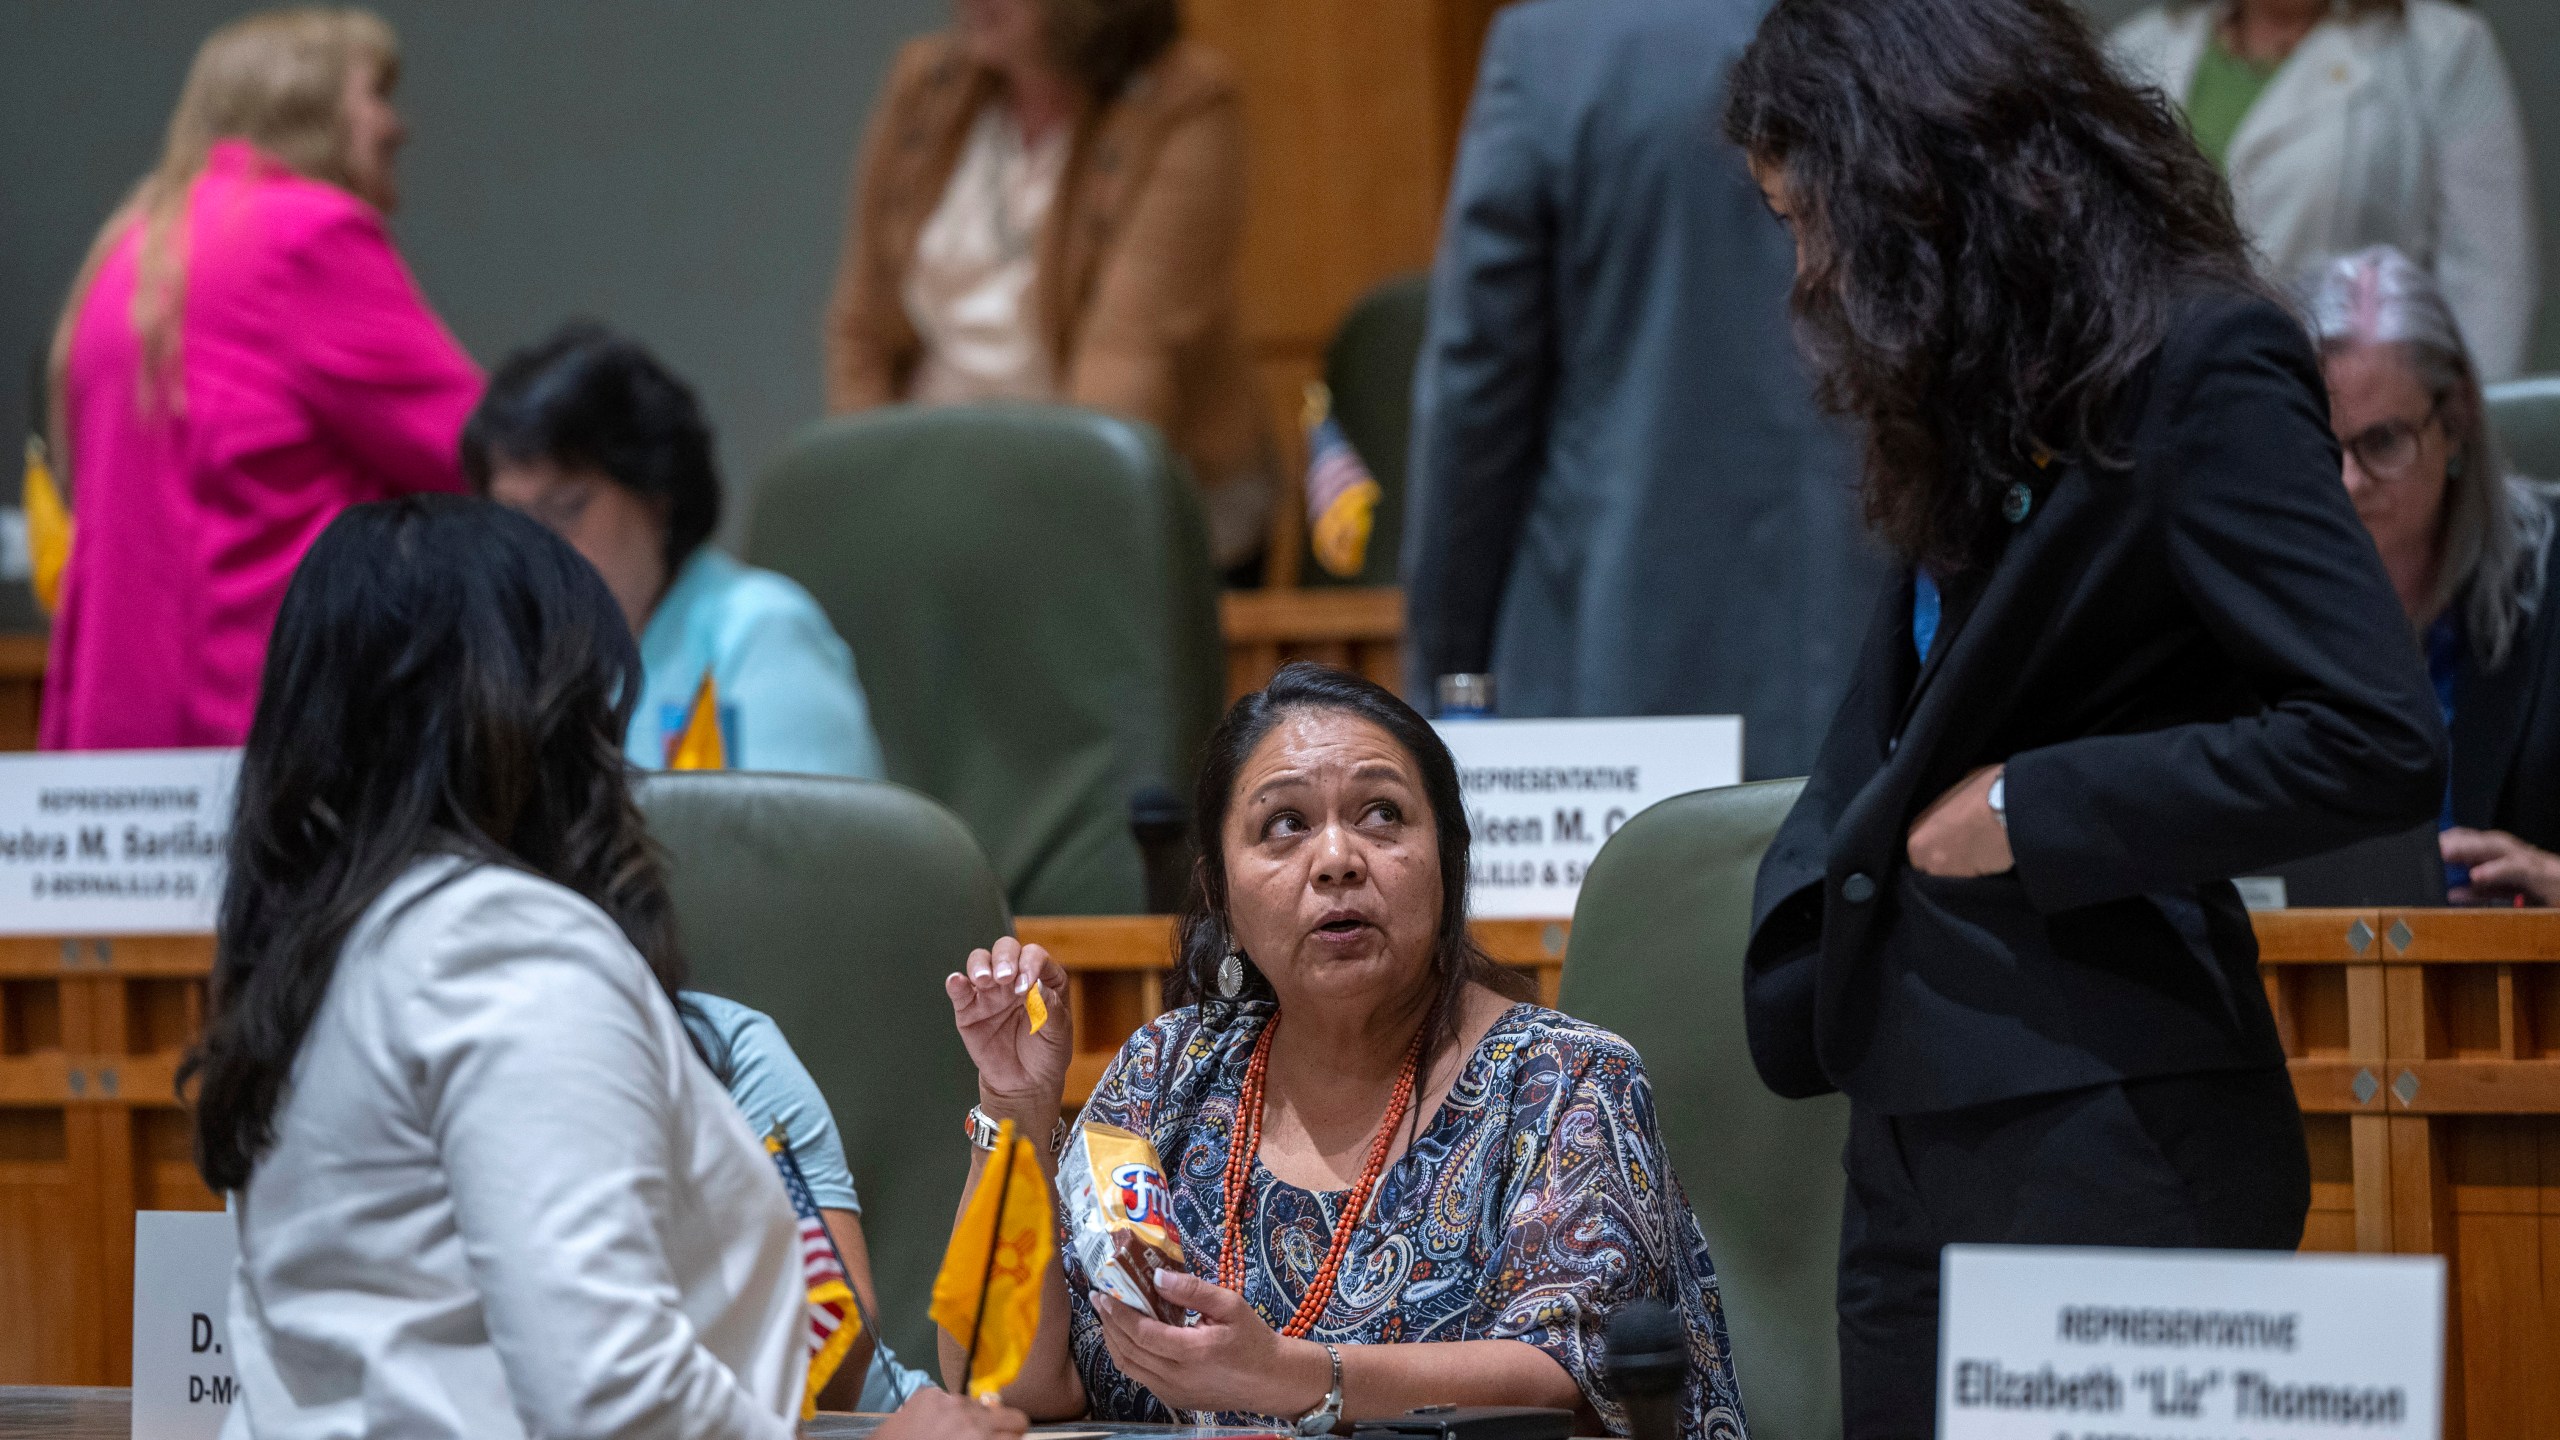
column 1622, row 499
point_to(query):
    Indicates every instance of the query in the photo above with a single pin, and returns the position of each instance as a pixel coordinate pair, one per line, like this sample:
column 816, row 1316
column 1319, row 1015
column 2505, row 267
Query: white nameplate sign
column 1544, row 795
column 113, row 842
column 2189, row 1345
column 182, row 1263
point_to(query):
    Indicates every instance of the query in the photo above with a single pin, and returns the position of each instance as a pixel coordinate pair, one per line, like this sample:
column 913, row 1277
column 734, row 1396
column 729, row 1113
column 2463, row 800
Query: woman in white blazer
column 484, row 1185
column 2388, row 122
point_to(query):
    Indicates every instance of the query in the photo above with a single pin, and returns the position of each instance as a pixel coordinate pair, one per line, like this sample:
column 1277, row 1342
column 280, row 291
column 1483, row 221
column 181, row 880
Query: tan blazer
column 1137, row 263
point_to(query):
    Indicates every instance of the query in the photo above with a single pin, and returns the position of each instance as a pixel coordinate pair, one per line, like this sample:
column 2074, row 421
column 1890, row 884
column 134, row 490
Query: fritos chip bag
column 1120, row 1216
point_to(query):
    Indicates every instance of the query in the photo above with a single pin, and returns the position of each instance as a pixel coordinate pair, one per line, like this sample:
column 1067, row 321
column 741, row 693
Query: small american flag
column 835, row 1312
column 1342, row 496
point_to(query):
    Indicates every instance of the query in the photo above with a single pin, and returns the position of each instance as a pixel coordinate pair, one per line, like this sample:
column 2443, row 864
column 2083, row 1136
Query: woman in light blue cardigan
column 589, row 434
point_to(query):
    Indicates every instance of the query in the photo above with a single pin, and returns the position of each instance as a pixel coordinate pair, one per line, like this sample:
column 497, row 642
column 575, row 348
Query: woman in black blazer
column 2141, row 644
column 2467, row 547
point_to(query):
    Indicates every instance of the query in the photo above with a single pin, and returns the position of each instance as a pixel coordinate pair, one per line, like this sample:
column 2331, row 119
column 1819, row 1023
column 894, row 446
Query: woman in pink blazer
column 243, row 356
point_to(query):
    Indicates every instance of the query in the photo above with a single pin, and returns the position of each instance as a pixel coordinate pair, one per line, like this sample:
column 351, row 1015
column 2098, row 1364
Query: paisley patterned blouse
column 1537, row 1201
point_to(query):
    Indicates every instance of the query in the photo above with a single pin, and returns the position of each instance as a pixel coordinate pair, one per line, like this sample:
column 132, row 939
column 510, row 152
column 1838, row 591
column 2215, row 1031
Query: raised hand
column 1020, row 1075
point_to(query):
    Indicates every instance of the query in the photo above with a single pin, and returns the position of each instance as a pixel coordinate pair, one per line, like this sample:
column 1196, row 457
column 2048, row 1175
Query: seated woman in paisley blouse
column 1429, row 1161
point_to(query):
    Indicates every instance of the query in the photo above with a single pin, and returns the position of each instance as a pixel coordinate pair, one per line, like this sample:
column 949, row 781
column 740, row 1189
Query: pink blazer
column 313, row 377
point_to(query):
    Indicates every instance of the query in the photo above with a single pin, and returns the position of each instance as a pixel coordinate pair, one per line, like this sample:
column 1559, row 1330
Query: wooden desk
column 21, row 688
column 48, row 1412
column 1357, row 628
column 2425, row 1048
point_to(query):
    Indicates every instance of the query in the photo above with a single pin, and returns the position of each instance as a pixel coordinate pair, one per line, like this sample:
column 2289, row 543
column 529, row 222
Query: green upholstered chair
column 1658, row 936
column 2526, row 415
column 1369, row 369
column 1029, row 598
column 836, row 907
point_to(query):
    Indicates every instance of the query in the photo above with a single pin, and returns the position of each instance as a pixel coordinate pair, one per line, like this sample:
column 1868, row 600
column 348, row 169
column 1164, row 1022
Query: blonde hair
column 277, row 79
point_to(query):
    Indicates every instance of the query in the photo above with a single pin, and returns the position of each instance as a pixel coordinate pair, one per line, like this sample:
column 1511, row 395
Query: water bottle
column 1466, row 697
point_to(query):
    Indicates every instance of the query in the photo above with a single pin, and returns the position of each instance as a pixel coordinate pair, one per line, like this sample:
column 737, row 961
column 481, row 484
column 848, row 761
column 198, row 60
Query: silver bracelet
column 1322, row 1419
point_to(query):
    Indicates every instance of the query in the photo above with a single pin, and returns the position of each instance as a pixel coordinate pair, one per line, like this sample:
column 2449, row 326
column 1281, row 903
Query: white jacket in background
column 506, row 1199
column 2380, row 128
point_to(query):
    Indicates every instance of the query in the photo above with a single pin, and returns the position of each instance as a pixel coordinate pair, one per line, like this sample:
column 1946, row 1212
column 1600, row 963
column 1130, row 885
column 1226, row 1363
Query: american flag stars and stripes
column 835, row 1313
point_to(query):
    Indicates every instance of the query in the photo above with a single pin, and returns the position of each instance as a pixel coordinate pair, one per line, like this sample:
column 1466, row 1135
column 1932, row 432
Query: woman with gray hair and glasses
column 2465, row 544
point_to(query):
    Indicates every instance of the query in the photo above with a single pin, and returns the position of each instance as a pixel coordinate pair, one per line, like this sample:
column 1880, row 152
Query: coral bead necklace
column 1246, row 1143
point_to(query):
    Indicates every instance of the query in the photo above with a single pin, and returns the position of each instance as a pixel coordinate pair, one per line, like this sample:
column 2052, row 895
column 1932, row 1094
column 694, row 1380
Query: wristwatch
column 983, row 1131
column 1322, row 1419
column 1999, row 798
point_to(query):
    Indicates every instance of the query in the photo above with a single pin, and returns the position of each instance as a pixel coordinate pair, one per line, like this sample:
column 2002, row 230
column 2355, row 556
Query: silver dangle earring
column 1231, row 975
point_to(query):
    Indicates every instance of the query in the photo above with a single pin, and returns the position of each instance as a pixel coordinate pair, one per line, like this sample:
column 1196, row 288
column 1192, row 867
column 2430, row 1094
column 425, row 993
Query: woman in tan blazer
column 1048, row 208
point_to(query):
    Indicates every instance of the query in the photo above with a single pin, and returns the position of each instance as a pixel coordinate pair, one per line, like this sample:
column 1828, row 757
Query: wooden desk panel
column 90, row 1131
column 21, row 688
column 2425, row 1048
column 1358, row 629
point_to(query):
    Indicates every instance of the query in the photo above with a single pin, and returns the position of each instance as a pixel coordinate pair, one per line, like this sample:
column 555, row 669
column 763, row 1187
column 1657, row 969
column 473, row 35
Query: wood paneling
column 1352, row 111
column 90, row 1131
column 1360, row 629
column 21, row 688
column 2453, row 1102
column 2416, row 1038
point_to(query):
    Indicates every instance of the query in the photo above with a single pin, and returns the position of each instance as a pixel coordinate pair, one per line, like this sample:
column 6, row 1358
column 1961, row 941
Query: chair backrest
column 2526, row 415
column 1369, row 369
column 836, row 907
column 1658, row 937
column 1029, row 598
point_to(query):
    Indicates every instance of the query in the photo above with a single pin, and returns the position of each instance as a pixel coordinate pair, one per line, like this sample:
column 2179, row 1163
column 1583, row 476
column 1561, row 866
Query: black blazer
column 2506, row 733
column 2192, row 669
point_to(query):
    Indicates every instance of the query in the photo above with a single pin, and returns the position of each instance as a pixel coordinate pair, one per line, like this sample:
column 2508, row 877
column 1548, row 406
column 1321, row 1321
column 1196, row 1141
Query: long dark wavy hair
column 445, row 677
column 1207, row 937
column 1996, row 233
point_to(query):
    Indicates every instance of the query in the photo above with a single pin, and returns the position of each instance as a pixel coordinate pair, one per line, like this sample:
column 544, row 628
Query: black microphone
column 1648, row 1365
column 1162, row 825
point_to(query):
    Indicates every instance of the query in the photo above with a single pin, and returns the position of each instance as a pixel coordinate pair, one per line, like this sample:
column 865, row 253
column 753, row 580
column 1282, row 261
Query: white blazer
column 2379, row 129
column 505, row 1199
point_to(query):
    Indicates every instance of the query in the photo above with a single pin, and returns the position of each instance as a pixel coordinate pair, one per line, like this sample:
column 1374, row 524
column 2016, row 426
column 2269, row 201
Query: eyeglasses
column 2389, row 450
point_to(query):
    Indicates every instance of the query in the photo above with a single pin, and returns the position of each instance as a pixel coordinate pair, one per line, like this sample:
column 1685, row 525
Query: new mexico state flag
column 988, row 1295
column 701, row 746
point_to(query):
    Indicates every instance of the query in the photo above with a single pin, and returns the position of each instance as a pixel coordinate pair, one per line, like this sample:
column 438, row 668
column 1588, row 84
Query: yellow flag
column 1035, row 1007
column 700, row 747
column 988, row 1294
column 48, row 525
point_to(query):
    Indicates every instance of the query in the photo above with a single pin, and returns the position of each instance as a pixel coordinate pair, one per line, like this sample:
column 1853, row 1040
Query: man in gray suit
column 1622, row 499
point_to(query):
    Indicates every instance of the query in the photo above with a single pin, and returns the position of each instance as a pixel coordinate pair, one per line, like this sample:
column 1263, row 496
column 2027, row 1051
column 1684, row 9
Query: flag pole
column 995, row 1234
column 861, row 1316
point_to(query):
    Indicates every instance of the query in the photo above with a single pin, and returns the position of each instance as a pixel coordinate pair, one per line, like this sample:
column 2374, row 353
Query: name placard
column 2058, row 1344
column 113, row 842
column 182, row 1264
column 1544, row 795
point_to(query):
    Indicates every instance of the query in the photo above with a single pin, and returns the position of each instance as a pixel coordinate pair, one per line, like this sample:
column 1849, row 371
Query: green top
column 2226, row 85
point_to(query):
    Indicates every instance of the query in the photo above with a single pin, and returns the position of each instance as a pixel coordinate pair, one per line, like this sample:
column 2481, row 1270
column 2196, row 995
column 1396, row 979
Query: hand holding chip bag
column 1119, row 1216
